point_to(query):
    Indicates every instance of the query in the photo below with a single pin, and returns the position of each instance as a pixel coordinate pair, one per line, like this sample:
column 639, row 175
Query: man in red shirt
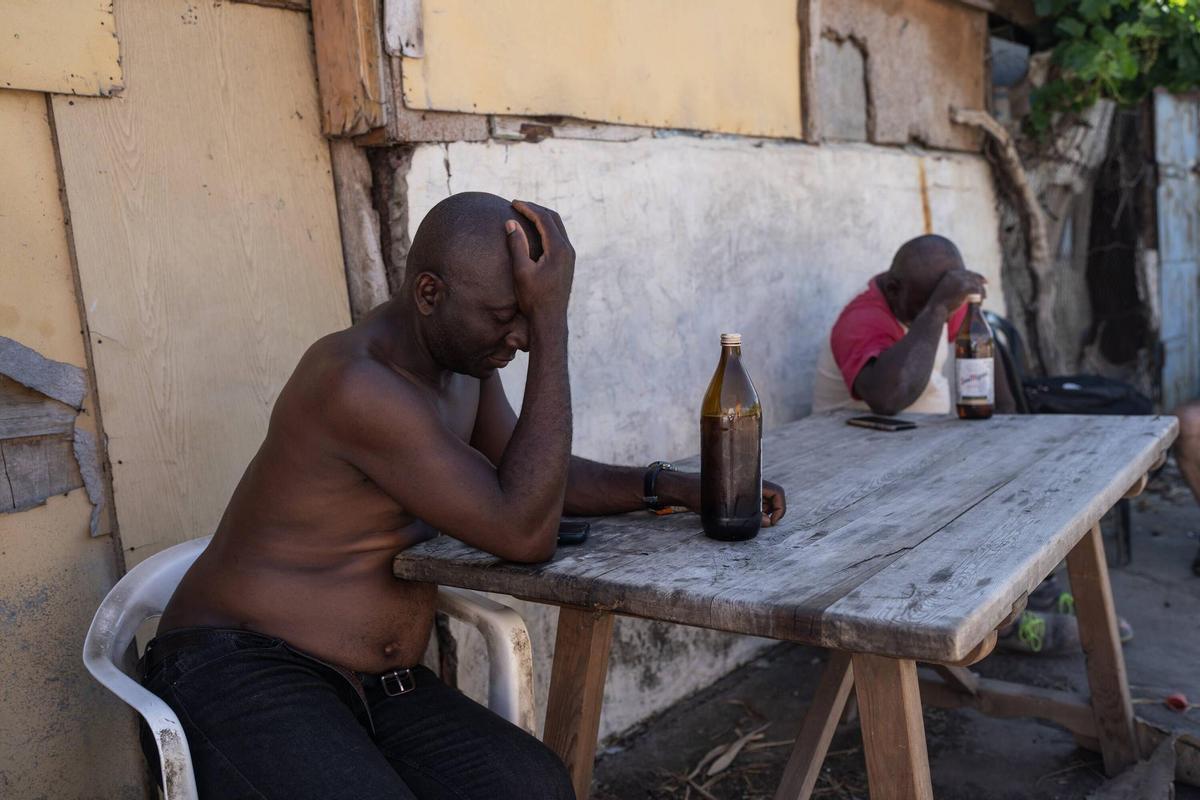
column 887, row 350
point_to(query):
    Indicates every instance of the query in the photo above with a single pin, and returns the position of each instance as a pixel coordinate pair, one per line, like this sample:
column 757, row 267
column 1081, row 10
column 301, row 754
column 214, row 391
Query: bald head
column 458, row 283
column 925, row 257
column 462, row 239
column 916, row 269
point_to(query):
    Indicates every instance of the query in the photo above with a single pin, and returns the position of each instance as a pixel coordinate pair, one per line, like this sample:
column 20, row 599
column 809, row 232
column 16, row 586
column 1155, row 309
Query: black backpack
column 1061, row 394
column 1084, row 394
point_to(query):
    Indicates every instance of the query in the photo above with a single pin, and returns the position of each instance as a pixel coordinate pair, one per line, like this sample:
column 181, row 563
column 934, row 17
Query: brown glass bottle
column 731, row 449
column 975, row 364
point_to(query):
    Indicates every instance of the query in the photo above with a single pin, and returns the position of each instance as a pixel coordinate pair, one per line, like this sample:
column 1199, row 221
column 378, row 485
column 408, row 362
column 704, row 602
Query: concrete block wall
column 679, row 238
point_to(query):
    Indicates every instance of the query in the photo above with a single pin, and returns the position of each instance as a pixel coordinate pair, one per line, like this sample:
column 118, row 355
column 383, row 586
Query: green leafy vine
column 1115, row 49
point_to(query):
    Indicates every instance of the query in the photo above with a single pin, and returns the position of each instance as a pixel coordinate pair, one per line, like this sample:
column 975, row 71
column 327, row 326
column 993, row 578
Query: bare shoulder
column 339, row 386
column 357, row 381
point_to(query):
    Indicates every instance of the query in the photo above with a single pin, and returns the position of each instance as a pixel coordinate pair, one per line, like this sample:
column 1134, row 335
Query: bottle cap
column 731, row 340
column 974, row 297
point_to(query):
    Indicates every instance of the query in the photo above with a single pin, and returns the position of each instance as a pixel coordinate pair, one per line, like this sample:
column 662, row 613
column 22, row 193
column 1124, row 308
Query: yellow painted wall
column 32, row 241
column 67, row 46
column 208, row 249
column 61, row 734
column 719, row 65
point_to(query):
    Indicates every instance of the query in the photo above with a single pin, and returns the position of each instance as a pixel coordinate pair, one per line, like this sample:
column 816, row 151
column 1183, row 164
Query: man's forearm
column 595, row 489
column 898, row 376
column 533, row 469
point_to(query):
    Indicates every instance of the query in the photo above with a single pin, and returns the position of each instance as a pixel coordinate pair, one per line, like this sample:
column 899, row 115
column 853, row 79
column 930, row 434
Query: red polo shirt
column 866, row 327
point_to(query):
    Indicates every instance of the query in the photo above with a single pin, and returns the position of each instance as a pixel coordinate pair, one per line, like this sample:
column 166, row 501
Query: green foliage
column 1115, row 49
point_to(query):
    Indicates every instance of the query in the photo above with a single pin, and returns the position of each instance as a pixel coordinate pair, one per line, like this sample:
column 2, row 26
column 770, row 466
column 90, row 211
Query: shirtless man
column 289, row 650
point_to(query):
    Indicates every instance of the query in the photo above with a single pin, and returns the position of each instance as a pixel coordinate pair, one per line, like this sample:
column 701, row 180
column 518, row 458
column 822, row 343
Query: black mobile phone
column 882, row 423
column 572, row 531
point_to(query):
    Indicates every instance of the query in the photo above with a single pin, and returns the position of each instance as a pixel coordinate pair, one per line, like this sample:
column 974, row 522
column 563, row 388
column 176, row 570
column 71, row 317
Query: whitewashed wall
column 677, row 240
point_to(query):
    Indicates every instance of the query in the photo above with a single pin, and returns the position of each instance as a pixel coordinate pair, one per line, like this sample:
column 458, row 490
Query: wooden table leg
column 889, row 702
column 820, row 722
column 577, row 691
column 959, row 678
column 1111, row 703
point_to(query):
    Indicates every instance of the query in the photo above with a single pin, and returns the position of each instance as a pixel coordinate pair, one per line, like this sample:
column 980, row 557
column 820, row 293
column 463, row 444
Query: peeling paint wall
column 921, row 57
column 677, row 240
column 61, row 734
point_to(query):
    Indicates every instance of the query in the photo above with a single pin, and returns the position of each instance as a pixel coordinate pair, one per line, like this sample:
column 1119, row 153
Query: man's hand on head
column 952, row 290
column 543, row 287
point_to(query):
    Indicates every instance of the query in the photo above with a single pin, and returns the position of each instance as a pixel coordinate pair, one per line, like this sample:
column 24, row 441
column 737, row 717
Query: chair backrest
column 1010, row 350
column 143, row 593
column 1009, row 338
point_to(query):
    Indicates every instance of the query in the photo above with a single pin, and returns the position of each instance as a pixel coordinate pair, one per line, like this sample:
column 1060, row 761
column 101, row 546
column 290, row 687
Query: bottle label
column 975, row 384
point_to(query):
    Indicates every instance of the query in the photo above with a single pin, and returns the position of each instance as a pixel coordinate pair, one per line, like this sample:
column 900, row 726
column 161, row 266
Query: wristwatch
column 649, row 495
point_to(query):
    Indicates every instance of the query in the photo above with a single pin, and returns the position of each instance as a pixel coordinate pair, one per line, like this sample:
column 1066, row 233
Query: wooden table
column 897, row 548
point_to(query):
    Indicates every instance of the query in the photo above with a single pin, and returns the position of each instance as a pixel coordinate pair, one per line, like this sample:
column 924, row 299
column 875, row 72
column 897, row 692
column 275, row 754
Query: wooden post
column 889, row 702
column 820, row 722
column 808, row 15
column 577, row 691
column 349, row 66
column 1111, row 704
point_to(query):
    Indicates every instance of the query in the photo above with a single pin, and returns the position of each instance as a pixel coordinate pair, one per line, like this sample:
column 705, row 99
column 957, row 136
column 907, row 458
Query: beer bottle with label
column 975, row 363
column 731, row 449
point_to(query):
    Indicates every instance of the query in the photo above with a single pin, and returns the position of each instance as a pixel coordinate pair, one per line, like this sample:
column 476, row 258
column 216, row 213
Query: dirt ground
column 971, row 756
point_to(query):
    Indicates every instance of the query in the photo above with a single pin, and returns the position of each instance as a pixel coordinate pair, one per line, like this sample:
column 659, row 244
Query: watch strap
column 649, row 492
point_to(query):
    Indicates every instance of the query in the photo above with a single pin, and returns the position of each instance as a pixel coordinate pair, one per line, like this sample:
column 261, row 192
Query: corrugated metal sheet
column 1177, row 151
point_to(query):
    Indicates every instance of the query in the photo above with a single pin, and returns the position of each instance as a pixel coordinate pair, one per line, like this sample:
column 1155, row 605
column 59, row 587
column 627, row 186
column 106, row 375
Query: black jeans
column 264, row 720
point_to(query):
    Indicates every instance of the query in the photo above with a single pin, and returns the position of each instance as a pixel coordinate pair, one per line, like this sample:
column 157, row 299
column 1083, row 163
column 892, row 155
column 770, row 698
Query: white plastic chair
column 144, row 591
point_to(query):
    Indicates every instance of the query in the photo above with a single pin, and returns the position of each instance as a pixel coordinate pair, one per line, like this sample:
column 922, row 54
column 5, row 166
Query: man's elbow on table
column 526, row 544
column 883, row 397
column 883, row 406
column 533, row 553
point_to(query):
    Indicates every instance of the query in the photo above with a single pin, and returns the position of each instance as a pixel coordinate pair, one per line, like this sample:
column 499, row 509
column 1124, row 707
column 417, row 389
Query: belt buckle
column 398, row 682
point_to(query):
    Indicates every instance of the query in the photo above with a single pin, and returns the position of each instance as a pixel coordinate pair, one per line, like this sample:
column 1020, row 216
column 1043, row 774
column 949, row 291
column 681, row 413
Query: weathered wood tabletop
column 911, row 544
column 897, row 548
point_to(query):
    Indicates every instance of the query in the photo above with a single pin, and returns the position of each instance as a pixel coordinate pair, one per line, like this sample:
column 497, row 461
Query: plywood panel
column 350, row 65
column 922, row 56
column 207, row 241
column 720, row 65
column 67, row 46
